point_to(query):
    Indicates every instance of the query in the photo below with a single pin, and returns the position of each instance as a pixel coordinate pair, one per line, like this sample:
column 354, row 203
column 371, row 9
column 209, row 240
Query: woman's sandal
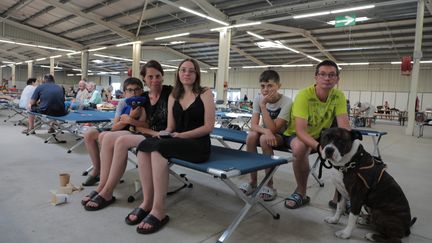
column 139, row 213
column 101, row 203
column 91, row 180
column 91, row 195
column 154, row 222
column 297, row 199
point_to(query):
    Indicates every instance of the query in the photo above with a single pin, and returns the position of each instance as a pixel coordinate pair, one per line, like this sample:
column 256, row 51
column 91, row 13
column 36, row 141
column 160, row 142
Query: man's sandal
column 297, row 199
column 267, row 193
column 247, row 188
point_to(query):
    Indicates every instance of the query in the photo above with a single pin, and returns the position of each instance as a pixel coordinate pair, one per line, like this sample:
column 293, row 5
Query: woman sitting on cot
column 191, row 117
column 115, row 145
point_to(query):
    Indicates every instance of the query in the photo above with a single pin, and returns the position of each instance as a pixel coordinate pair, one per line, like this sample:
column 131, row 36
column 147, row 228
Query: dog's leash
column 322, row 162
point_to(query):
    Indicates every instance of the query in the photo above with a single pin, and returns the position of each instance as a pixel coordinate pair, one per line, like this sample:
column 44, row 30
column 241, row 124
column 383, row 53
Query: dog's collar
column 347, row 166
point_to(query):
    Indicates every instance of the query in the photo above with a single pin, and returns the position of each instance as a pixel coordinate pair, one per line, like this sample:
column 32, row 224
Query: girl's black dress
column 190, row 149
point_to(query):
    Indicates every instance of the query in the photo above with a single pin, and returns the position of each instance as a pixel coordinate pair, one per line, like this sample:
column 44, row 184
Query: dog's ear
column 356, row 135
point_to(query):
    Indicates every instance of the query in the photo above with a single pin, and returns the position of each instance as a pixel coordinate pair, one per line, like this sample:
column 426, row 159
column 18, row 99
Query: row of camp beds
column 224, row 163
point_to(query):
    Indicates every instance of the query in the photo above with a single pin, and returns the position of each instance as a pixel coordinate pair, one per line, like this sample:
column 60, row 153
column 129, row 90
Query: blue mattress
column 83, row 116
column 231, row 162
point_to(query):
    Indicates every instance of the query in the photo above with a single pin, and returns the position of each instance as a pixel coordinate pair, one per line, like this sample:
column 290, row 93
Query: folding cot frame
column 226, row 163
column 223, row 135
column 17, row 111
column 72, row 123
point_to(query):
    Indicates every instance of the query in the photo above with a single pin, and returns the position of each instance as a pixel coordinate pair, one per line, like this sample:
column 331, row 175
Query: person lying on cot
column 274, row 109
column 191, row 117
column 115, row 145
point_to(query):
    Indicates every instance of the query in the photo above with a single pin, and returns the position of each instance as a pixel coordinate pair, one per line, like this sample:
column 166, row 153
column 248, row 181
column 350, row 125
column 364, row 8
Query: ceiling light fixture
column 41, row 59
column 332, row 12
column 353, row 64
column 203, row 16
column 171, row 36
column 55, row 56
column 236, row 26
column 128, row 43
column 255, row 35
column 352, row 9
column 313, row 58
column 97, row 49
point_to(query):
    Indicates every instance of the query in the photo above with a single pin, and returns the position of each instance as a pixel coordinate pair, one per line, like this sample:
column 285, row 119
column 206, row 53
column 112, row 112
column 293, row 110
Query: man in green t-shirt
column 314, row 109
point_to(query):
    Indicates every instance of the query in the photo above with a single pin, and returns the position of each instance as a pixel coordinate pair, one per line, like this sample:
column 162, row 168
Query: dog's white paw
column 331, row 220
column 343, row 234
column 369, row 237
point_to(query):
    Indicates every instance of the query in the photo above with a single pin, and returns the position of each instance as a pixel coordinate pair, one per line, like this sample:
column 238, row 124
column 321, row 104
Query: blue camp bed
column 224, row 134
column 224, row 164
column 72, row 123
column 17, row 111
column 226, row 119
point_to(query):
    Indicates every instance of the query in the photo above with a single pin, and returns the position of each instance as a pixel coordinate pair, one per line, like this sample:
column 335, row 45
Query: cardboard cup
column 58, row 199
column 64, row 179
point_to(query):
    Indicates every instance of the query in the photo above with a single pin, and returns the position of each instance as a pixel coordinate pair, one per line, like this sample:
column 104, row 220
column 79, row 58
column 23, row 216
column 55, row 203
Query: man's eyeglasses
column 137, row 90
column 329, row 75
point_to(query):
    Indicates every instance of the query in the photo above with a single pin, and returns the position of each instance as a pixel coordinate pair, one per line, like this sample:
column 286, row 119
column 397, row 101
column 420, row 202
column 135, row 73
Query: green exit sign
column 346, row 20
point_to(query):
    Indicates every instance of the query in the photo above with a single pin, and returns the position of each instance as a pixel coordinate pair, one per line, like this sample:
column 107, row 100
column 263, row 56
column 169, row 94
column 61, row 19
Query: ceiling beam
column 211, row 10
column 428, row 4
column 306, row 34
column 65, row 41
column 15, row 8
column 202, row 64
column 92, row 17
column 250, row 57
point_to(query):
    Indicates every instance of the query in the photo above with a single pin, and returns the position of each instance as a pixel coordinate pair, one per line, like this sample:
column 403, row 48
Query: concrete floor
column 30, row 168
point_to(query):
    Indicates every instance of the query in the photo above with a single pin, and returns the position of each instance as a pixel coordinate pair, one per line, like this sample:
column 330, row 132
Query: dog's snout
column 329, row 152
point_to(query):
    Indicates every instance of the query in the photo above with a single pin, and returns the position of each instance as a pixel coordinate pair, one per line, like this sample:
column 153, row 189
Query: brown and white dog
column 363, row 180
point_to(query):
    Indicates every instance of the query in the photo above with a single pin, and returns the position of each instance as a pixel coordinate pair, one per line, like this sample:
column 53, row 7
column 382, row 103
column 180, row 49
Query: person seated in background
column 94, row 96
column 26, row 96
column 274, row 109
column 106, row 95
column 81, row 96
column 13, row 89
column 386, row 107
column 365, row 109
column 71, row 92
column 48, row 98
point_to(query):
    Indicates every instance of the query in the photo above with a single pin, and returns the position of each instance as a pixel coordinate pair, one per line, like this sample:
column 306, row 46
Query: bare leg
column 251, row 146
column 119, row 162
column 160, row 185
column 146, row 177
column 90, row 140
column 268, row 150
column 106, row 155
column 300, row 167
column 31, row 120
